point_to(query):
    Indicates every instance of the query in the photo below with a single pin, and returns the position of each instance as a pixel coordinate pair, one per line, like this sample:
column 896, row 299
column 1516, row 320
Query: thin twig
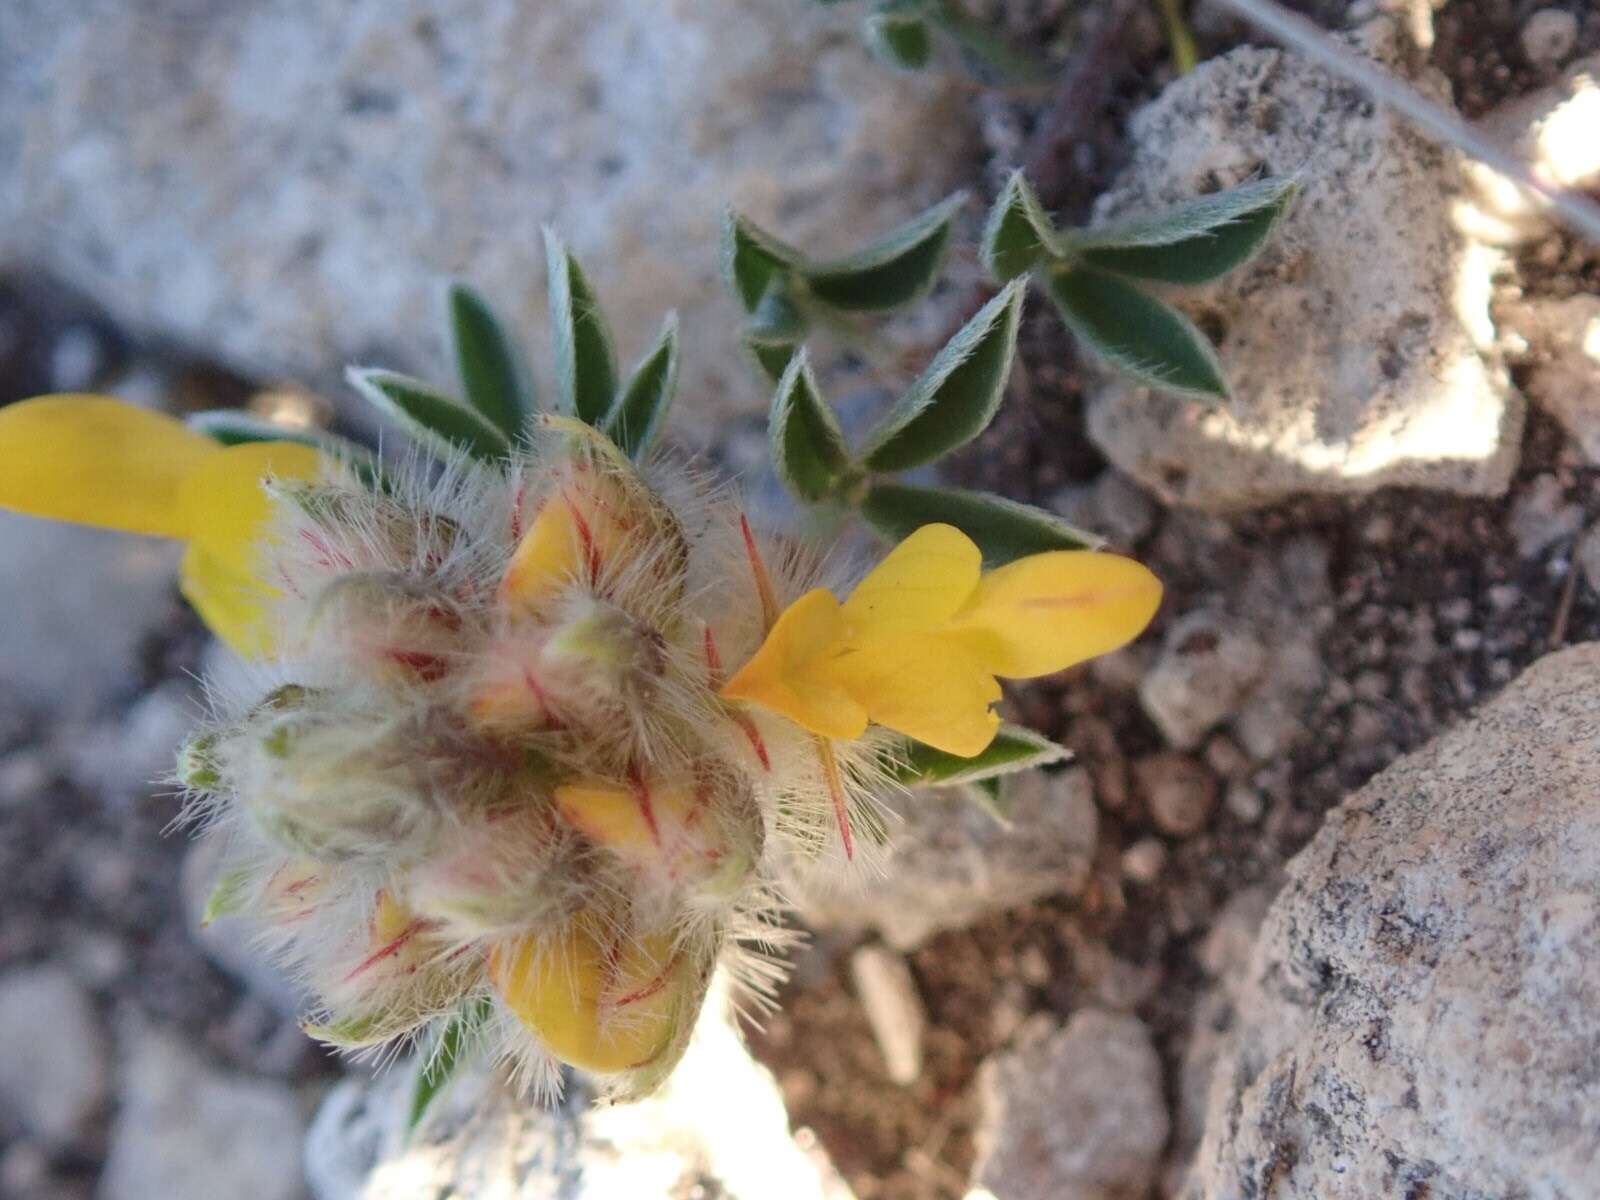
column 1558, row 633
column 1578, row 212
column 1085, row 81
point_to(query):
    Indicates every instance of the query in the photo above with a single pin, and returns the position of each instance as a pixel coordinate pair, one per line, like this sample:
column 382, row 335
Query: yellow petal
column 622, row 816
column 225, row 503
column 923, row 582
column 786, row 673
column 926, row 686
column 234, row 607
column 549, row 557
column 1046, row 612
column 98, row 461
column 597, row 1011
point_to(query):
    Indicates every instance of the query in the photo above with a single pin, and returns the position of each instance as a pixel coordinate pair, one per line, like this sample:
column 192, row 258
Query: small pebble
column 1548, row 36
column 1540, row 517
column 1142, row 861
column 1180, row 792
column 893, row 1008
column 1245, row 803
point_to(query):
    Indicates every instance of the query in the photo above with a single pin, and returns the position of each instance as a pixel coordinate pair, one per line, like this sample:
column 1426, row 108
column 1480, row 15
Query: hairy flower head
column 543, row 736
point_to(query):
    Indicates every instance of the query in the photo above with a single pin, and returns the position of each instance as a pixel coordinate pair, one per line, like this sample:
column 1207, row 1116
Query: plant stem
column 1185, row 53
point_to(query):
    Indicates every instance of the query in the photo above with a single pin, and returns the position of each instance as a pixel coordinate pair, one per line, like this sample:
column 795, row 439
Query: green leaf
column 492, row 377
column 446, row 1059
column 1194, row 243
column 778, row 318
column 1136, row 333
column 751, row 257
column 894, row 270
column 901, row 41
column 772, row 357
column 434, row 418
column 1015, row 748
column 1003, row 529
column 232, row 427
column 641, row 411
column 586, row 357
column 227, row 897
column 957, row 396
column 808, row 448
column 1019, row 232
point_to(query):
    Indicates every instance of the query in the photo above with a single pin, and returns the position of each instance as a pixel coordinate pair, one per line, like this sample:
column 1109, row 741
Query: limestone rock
column 718, row 1125
column 1563, row 375
column 1358, row 346
column 951, row 863
column 186, row 1131
column 1420, row 1012
column 285, row 183
column 53, row 1055
column 79, row 605
column 1077, row 1115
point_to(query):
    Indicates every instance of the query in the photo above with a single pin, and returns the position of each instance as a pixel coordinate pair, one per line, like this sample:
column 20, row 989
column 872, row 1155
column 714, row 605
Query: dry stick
column 1086, row 80
column 1578, row 212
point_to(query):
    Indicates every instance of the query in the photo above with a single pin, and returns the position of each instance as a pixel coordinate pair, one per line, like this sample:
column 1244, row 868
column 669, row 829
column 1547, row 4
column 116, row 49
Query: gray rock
column 1078, row 1115
column 1358, row 346
column 79, row 604
column 186, row 1131
column 285, row 183
column 950, row 863
column 53, row 1055
column 1420, row 1012
column 718, row 1126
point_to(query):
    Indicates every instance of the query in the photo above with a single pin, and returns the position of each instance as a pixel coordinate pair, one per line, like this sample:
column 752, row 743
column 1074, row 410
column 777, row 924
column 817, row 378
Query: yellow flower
column 919, row 643
column 97, row 461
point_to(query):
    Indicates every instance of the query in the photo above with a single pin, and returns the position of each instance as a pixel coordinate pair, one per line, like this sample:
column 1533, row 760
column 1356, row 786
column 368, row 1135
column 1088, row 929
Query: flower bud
column 336, row 787
column 601, row 1003
column 508, row 872
column 697, row 825
column 391, row 627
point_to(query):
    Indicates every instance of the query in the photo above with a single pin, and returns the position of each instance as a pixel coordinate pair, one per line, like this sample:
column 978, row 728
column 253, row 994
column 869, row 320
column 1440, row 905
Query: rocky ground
column 1374, row 559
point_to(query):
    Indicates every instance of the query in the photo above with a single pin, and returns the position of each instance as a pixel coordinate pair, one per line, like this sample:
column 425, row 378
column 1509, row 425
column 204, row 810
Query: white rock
column 53, row 1054
column 286, row 183
column 719, row 1124
column 1563, row 370
column 186, row 1131
column 1078, row 1115
column 1358, row 346
column 950, row 863
column 1548, row 36
column 1419, row 1013
column 889, row 997
column 78, row 604
column 1552, row 129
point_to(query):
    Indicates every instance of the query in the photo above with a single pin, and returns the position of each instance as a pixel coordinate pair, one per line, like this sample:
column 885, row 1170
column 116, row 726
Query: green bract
column 1098, row 277
column 785, row 293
